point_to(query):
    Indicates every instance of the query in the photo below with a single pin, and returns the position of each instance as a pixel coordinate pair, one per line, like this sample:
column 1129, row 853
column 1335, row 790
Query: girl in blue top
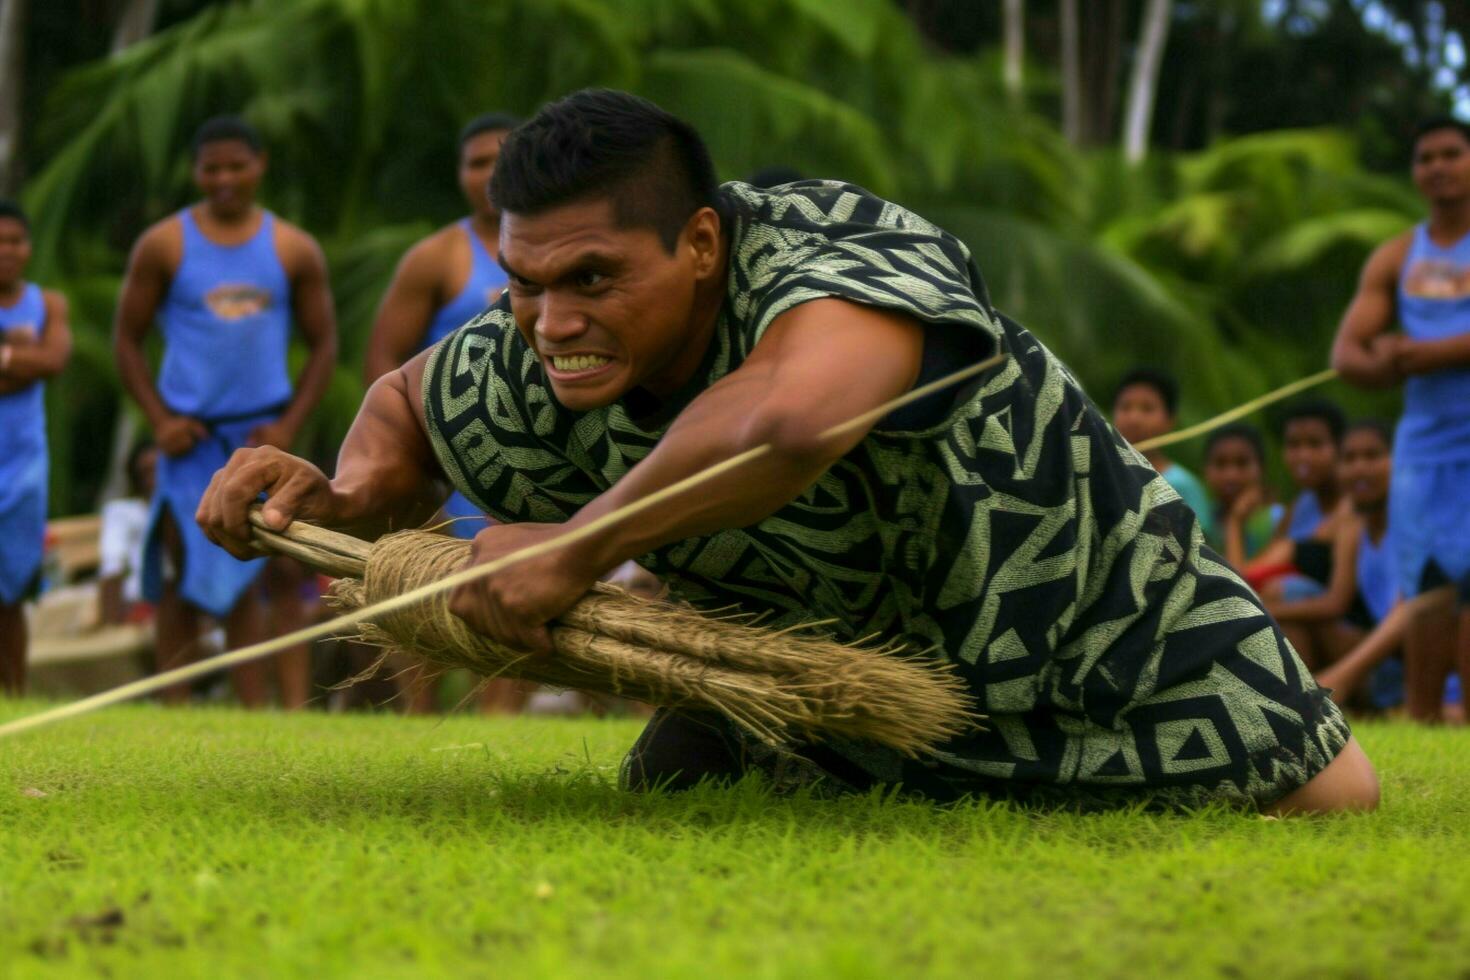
column 35, row 342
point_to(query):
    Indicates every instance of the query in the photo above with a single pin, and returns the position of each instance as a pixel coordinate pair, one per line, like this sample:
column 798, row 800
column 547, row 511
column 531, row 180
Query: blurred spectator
column 124, row 527
column 35, row 342
column 1235, row 467
column 1145, row 404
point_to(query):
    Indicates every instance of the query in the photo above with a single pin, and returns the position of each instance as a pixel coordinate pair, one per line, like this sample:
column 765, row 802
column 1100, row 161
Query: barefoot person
column 225, row 279
column 1420, row 281
column 658, row 323
column 35, row 342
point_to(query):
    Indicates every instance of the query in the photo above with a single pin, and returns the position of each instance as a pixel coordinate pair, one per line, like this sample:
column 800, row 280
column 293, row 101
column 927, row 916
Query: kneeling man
column 658, row 323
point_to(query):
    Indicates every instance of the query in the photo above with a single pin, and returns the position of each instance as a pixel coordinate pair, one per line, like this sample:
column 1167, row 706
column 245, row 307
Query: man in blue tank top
column 35, row 342
column 224, row 279
column 447, row 279
column 1422, row 279
column 440, row 284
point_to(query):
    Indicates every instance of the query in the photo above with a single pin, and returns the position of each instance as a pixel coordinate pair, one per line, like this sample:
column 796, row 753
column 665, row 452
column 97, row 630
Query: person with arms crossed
column 1420, row 280
column 35, row 342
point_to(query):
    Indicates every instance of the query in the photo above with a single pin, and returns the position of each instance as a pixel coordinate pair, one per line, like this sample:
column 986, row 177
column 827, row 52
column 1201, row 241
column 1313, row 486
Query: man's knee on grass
column 1348, row 784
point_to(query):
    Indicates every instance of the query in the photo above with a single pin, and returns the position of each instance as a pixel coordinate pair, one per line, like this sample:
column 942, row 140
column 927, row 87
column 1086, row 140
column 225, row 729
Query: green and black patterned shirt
column 1004, row 526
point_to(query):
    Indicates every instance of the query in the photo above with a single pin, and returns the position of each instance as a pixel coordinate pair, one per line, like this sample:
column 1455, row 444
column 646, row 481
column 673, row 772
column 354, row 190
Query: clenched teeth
column 581, row 362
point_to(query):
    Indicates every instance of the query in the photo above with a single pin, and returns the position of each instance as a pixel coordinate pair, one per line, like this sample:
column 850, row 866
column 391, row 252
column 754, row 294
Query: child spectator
column 1144, row 407
column 124, row 526
column 1362, row 590
column 1311, row 433
column 1244, row 517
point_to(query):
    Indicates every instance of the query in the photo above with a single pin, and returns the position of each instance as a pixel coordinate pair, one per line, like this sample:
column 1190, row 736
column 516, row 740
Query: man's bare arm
column 387, row 476
column 144, row 287
column 1363, row 351
column 315, row 318
column 405, row 313
column 817, row 366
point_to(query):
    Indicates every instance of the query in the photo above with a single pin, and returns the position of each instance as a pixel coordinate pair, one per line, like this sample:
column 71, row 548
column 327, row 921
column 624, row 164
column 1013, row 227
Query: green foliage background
column 1229, row 264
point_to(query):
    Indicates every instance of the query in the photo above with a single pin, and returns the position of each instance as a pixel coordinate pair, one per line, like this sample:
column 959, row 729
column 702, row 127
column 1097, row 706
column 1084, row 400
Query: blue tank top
column 1377, row 583
column 1434, row 302
column 486, row 280
column 23, row 413
column 1306, row 514
column 226, row 327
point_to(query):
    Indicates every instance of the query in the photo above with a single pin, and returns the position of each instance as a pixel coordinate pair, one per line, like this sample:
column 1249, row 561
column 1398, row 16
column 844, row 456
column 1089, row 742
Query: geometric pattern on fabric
column 1016, row 534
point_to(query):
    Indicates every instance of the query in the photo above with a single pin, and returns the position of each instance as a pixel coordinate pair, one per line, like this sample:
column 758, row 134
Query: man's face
column 1365, row 469
column 15, row 251
column 476, row 165
column 607, row 309
column 1139, row 413
column 1230, row 467
column 228, row 173
column 1311, row 454
column 1441, row 168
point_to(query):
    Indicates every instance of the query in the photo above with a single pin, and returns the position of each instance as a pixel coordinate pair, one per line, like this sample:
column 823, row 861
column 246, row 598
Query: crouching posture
column 658, row 323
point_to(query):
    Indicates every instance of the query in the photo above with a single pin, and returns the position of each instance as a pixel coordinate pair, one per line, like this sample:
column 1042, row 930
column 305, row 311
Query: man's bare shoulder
column 1387, row 260
column 55, row 300
column 431, row 261
column 161, row 246
column 296, row 247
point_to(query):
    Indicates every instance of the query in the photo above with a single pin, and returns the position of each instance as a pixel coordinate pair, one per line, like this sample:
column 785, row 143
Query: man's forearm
column 311, row 384
column 1360, row 365
column 1444, row 354
column 132, row 368
column 387, row 478
column 744, row 496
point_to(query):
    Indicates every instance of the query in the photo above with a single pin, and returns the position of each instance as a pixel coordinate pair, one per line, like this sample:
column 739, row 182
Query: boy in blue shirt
column 35, row 343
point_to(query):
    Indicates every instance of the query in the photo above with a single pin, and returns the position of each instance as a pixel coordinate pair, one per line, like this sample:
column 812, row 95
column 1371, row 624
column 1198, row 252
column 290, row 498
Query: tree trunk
column 134, row 24
column 1015, row 47
column 1071, row 74
column 1100, row 38
column 1153, row 35
column 12, row 26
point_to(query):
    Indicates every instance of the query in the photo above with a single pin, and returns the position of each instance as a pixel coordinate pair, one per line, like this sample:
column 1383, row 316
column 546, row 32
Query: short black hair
column 1156, row 378
column 488, row 122
column 604, row 143
column 1238, row 430
column 1435, row 123
column 1382, row 427
column 1323, row 410
column 767, row 177
column 9, row 209
column 219, row 129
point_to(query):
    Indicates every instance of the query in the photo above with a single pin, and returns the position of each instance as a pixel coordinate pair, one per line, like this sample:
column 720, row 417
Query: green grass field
column 218, row 843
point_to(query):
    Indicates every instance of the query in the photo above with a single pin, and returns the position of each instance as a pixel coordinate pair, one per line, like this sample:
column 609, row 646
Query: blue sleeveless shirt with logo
column 226, row 332
column 226, row 327
column 1434, row 303
column 481, row 289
